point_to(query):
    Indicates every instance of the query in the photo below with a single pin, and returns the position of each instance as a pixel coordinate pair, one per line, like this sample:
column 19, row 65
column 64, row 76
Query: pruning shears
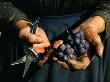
column 30, row 54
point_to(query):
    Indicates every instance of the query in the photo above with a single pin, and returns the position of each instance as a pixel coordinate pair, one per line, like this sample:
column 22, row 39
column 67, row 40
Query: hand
column 39, row 39
column 91, row 28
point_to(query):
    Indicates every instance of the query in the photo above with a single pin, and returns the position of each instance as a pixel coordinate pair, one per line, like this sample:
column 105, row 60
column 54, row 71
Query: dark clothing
column 52, row 72
column 12, row 10
column 55, row 13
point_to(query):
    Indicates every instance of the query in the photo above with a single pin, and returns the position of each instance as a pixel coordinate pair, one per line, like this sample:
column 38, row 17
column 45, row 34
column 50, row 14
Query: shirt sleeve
column 9, row 13
column 103, row 10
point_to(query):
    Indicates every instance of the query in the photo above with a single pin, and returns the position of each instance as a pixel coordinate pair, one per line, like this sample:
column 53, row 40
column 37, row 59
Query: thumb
column 26, row 34
column 33, row 38
column 99, row 45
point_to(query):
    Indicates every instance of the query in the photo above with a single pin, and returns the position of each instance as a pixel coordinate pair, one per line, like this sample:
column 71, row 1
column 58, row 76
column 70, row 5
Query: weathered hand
column 39, row 39
column 80, row 63
column 91, row 28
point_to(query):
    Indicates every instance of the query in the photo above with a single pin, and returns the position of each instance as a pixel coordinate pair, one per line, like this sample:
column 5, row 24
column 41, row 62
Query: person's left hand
column 91, row 27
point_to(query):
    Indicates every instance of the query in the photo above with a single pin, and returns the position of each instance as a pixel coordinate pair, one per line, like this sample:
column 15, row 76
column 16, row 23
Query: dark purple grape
column 86, row 46
column 65, row 57
column 85, row 43
column 81, row 33
column 69, row 38
column 68, row 50
column 72, row 50
column 77, row 35
column 71, row 43
column 81, row 46
column 60, row 54
column 77, row 40
column 82, row 38
column 82, row 50
column 68, row 46
column 62, row 47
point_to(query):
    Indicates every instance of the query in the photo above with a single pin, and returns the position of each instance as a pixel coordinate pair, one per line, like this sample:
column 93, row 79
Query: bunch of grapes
column 73, row 46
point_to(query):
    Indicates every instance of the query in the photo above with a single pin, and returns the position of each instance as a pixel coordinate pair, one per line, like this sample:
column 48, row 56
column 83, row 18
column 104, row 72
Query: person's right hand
column 39, row 39
column 91, row 28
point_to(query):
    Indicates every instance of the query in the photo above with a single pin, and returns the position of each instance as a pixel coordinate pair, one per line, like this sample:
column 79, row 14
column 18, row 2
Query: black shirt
column 12, row 10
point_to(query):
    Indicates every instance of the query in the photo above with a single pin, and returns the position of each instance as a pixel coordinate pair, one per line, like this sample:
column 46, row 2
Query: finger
column 63, row 64
column 26, row 34
column 32, row 38
column 36, row 38
column 38, row 49
column 45, row 58
column 82, row 64
column 54, row 58
column 57, row 44
column 99, row 45
column 42, row 62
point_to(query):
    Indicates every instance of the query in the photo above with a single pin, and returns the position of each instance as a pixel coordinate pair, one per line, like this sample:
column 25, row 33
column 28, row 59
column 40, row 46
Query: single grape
column 85, row 43
column 77, row 40
column 81, row 37
column 86, row 46
column 62, row 47
column 81, row 33
column 77, row 35
column 65, row 57
column 60, row 54
column 71, row 43
column 72, row 50
column 69, row 38
column 80, row 46
column 68, row 46
column 68, row 50
column 82, row 50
